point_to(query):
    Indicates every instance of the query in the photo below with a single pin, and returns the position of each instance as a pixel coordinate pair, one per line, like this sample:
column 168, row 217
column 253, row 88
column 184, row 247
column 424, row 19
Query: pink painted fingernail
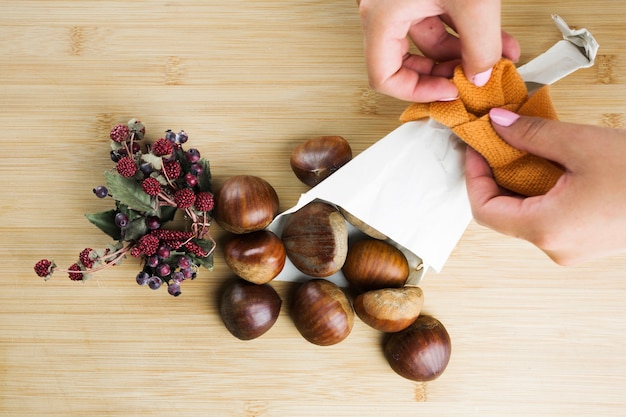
column 503, row 117
column 449, row 99
column 481, row 79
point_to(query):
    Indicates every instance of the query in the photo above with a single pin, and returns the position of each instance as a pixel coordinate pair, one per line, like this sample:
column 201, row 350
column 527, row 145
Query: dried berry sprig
column 149, row 185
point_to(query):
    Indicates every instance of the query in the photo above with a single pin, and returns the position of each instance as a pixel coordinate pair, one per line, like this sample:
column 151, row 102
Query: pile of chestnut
column 315, row 239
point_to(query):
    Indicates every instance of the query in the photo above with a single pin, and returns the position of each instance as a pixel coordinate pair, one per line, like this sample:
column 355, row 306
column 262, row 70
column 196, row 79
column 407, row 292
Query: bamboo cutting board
column 248, row 81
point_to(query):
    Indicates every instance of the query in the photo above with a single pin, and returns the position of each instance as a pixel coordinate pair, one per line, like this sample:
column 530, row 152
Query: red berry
column 120, row 133
column 172, row 170
column 146, row 245
column 43, row 268
column 171, row 235
column 184, row 198
column 204, row 201
column 126, row 167
column 151, row 186
column 85, row 259
column 196, row 250
column 162, row 147
column 75, row 272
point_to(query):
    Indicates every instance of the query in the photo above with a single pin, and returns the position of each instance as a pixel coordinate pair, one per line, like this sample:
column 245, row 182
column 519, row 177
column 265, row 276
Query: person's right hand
column 389, row 24
column 584, row 216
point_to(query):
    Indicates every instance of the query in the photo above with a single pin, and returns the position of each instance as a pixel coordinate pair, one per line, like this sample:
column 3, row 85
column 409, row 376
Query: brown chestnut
column 316, row 239
column 361, row 225
column 373, row 264
column 245, row 203
column 322, row 312
column 257, row 257
column 319, row 157
column 389, row 310
column 420, row 352
column 249, row 310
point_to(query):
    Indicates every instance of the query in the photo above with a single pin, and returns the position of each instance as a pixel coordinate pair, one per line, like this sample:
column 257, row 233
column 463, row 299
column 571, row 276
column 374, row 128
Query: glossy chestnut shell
column 316, row 239
column 373, row 264
column 257, row 257
column 316, row 159
column 245, row 203
column 322, row 312
column 249, row 310
column 421, row 352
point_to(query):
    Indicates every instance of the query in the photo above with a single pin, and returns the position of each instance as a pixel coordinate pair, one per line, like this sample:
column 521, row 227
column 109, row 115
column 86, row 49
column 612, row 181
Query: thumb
column 549, row 139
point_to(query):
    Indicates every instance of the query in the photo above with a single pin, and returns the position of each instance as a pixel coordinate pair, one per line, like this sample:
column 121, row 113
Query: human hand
column 394, row 71
column 583, row 216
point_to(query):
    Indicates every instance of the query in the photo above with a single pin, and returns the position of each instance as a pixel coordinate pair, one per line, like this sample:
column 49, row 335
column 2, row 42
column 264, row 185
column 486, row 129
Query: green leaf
column 203, row 262
column 206, row 245
column 128, row 191
column 204, row 180
column 135, row 229
column 105, row 221
column 167, row 214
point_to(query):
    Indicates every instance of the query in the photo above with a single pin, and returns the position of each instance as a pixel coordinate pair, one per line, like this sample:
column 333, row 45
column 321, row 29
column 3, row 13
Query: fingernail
column 449, row 99
column 481, row 79
column 503, row 117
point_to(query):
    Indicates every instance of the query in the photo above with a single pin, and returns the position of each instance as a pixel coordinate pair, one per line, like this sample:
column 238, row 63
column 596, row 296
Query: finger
column 492, row 206
column 559, row 142
column 478, row 24
column 510, row 47
column 413, row 81
column 431, row 37
column 423, row 65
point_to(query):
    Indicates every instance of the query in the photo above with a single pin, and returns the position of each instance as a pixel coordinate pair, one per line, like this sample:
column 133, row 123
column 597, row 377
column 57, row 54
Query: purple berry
column 115, row 156
column 174, row 289
column 152, row 261
column 181, row 137
column 163, row 252
column 171, row 136
column 136, row 147
column 178, row 276
column 101, row 191
column 142, row 278
column 146, row 168
column 155, row 282
column 153, row 222
column 196, row 169
column 163, row 270
column 192, row 155
column 121, row 220
column 191, row 179
column 184, row 262
column 188, row 273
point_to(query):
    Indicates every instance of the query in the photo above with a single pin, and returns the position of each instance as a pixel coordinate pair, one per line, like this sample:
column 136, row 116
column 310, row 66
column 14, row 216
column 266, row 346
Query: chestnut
column 389, row 310
column 322, row 312
column 249, row 310
column 361, row 225
column 373, row 264
column 257, row 257
column 316, row 159
column 420, row 352
column 245, row 203
column 316, row 239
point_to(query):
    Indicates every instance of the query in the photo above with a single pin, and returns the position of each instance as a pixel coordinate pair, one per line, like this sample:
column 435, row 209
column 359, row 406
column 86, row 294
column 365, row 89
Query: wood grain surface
column 248, row 81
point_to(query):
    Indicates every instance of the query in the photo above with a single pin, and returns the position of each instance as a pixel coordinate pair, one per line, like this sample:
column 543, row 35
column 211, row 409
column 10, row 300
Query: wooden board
column 249, row 81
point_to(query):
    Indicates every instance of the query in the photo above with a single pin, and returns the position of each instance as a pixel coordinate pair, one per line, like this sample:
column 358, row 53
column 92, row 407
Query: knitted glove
column 468, row 117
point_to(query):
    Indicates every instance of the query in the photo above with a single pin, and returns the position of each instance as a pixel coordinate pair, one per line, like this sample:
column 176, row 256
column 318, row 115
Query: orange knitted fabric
column 468, row 117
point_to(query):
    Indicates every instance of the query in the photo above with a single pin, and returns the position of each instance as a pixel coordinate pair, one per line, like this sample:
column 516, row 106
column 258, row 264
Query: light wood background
column 249, row 80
